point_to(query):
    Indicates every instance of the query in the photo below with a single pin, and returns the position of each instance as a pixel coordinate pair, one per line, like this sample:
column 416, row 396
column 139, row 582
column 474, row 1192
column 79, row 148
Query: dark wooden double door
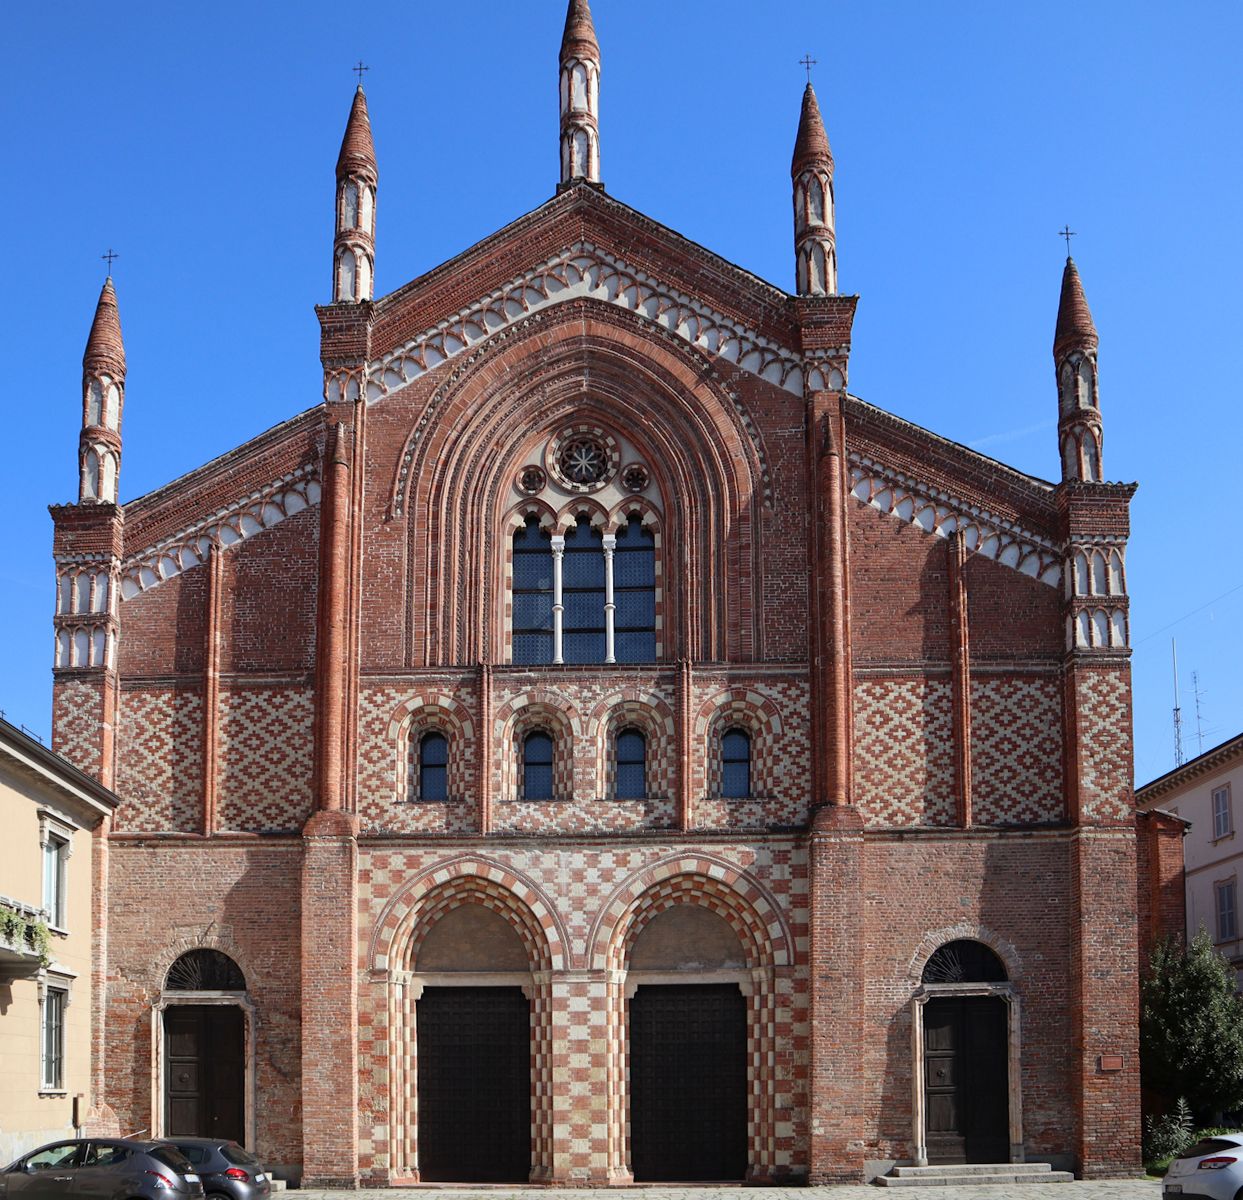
column 688, row 1083
column 474, row 1079
column 205, row 1071
column 966, row 1080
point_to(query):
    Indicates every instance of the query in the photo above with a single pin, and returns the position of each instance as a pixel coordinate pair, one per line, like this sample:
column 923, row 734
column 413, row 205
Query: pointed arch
column 453, row 478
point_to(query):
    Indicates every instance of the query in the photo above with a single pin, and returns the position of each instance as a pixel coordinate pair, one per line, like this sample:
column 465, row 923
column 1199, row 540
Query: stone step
column 1029, row 1168
column 973, row 1175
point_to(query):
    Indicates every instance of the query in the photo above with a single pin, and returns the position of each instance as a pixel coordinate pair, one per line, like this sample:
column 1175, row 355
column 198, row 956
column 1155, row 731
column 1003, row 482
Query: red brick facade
column 938, row 706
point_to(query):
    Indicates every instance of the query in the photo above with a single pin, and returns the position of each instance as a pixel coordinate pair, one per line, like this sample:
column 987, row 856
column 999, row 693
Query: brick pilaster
column 835, row 942
column 329, row 1001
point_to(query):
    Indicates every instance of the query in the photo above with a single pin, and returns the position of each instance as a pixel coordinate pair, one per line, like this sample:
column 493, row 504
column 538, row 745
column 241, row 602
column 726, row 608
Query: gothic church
column 593, row 745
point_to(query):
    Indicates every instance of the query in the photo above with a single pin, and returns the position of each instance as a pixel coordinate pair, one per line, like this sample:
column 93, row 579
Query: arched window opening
column 964, row 961
column 816, row 196
column 736, row 764
column 204, row 971
column 350, row 206
column 537, row 766
column 634, row 593
column 532, row 614
column 631, row 765
column 433, row 766
column 583, row 594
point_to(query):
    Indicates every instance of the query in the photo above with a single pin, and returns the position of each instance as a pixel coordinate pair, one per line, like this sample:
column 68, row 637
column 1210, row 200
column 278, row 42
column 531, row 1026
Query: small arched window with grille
column 735, row 764
column 433, row 767
column 537, row 766
column 204, row 971
column 964, row 961
column 631, row 765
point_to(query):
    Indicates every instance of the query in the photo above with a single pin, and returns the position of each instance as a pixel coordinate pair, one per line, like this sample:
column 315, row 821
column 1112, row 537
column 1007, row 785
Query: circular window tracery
column 583, row 458
column 532, row 480
column 635, row 478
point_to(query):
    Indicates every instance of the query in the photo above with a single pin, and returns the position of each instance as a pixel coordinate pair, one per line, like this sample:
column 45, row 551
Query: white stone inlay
column 188, row 547
column 584, row 270
column 940, row 513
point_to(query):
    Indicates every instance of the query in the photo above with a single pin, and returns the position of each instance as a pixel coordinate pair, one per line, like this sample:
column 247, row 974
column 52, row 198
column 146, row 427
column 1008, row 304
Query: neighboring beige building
column 1205, row 791
column 49, row 811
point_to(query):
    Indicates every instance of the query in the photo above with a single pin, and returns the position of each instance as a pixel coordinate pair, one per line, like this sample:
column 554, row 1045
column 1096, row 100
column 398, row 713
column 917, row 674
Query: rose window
column 583, row 458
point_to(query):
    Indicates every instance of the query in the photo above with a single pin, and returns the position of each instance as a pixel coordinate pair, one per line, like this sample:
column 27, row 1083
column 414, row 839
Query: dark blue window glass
column 532, row 615
column 631, row 765
column 634, row 593
column 582, row 595
column 433, row 767
column 537, row 767
column 736, row 764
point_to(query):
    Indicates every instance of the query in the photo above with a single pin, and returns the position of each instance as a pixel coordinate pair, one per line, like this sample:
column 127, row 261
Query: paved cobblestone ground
column 1112, row 1189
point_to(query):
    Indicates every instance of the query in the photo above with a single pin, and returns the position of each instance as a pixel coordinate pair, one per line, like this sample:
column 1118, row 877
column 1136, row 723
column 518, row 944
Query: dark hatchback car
column 228, row 1171
column 101, row 1169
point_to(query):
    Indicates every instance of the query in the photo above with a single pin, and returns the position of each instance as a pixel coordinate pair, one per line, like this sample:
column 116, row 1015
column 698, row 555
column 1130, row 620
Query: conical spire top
column 357, row 148
column 812, row 143
column 579, row 38
column 105, row 343
column 1074, row 318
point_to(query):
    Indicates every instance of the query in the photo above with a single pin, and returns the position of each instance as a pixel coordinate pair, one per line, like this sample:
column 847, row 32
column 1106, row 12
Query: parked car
column 101, row 1169
column 1212, row 1168
column 228, row 1171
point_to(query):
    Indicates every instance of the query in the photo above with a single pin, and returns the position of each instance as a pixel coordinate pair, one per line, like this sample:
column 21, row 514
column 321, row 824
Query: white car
column 1212, row 1168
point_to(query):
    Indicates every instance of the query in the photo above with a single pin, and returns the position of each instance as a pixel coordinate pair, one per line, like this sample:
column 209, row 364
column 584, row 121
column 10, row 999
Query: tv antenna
column 1195, row 687
column 1178, row 712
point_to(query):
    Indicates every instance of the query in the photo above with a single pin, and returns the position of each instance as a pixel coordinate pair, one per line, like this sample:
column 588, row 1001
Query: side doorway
column 965, row 1080
column 204, row 1071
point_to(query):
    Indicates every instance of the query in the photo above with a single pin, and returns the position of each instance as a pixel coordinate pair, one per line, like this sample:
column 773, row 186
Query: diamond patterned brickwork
column 160, row 760
column 1016, row 750
column 265, row 763
column 904, row 767
column 580, row 905
column 77, row 722
column 390, row 721
column 1105, row 745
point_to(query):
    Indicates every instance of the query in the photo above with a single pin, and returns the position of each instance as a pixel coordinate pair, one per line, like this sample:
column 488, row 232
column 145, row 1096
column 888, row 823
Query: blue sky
column 199, row 142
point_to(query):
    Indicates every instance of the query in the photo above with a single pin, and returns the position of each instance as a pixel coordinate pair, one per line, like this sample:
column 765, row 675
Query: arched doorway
column 473, row 1017
column 688, row 1049
column 968, row 1030
column 203, row 1021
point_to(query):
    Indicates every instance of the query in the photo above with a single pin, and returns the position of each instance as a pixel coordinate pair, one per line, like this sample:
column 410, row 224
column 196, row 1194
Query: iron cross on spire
column 110, row 257
column 808, row 62
column 358, row 69
column 1067, row 233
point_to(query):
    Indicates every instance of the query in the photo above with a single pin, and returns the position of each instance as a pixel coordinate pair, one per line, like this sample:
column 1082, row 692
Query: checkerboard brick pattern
column 160, row 761
column 1016, row 750
column 265, row 766
column 904, row 771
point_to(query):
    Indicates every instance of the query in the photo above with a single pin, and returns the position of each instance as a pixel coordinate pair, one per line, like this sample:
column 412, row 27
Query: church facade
column 593, row 745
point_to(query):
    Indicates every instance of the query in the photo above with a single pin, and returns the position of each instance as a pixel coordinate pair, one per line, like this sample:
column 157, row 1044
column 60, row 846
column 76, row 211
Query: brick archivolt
column 652, row 716
column 940, row 513
column 584, row 271
column 210, row 937
column 706, row 465
column 964, row 931
column 738, row 708
column 440, row 713
column 468, row 879
column 733, row 893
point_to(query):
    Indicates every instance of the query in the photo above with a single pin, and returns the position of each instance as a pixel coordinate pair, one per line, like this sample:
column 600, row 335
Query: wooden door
column 204, row 1071
column 966, row 1078
column 474, row 1055
column 688, row 1083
